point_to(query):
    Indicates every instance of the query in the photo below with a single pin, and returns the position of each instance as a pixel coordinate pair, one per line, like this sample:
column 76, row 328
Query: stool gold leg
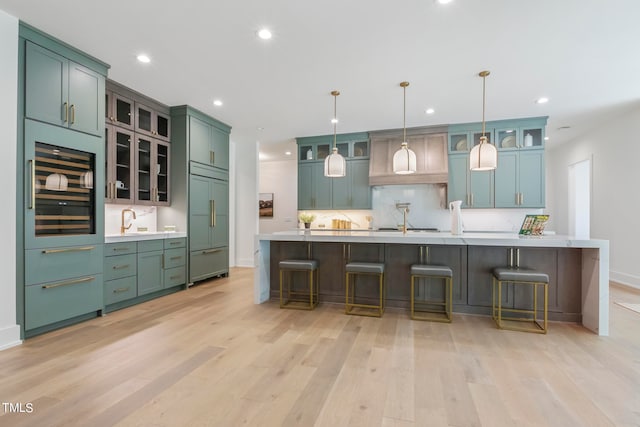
column 281, row 305
column 413, row 278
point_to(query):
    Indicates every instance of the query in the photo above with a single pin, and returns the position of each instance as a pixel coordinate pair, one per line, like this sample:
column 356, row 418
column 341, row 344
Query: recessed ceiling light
column 260, row 128
column 430, row 111
column 264, row 34
column 444, row 1
column 334, row 120
column 143, row 58
column 288, row 153
column 217, row 103
column 542, row 100
column 546, row 138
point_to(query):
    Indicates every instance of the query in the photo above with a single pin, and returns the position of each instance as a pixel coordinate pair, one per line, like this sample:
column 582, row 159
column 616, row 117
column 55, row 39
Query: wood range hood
column 429, row 144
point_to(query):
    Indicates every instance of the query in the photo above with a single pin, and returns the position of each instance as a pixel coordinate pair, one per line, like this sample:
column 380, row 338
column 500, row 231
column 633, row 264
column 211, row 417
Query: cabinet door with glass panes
column 151, row 122
column 464, row 141
column 120, row 165
column 119, row 110
column 64, row 180
column 152, row 172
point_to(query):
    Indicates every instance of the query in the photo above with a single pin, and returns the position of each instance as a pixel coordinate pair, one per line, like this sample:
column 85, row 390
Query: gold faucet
column 122, row 227
column 405, row 210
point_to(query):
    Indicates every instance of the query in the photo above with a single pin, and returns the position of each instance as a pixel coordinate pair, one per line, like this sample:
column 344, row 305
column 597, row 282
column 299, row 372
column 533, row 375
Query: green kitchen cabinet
column 315, row 191
column 520, row 181
column 209, row 144
column 474, row 188
column 150, row 266
column 120, row 272
column 352, row 191
column 120, row 156
column 62, row 92
column 152, row 183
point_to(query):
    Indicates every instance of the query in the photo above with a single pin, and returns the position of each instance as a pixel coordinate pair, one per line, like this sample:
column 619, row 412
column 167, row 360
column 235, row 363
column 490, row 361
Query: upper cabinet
column 428, row 143
column 138, row 164
column 208, row 144
column 63, row 92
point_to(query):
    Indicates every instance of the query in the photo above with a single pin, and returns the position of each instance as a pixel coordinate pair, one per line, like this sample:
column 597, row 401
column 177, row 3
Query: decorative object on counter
column 484, row 156
column 169, row 228
column 334, row 164
column 266, row 205
column 307, row 219
column 404, row 160
column 456, row 216
column 309, row 154
column 528, row 140
column 369, row 219
column 533, row 225
column 142, row 229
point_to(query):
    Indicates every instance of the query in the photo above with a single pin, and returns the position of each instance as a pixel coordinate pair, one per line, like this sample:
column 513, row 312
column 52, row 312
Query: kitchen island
column 578, row 269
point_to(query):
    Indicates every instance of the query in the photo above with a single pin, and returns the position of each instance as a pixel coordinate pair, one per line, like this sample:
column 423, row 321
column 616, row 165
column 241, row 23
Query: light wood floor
column 209, row 357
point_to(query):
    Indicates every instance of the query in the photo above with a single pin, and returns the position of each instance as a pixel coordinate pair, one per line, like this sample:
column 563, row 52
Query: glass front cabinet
column 62, row 187
column 152, row 177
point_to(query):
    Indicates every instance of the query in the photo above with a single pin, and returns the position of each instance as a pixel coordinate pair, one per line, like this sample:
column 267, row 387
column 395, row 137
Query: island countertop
column 594, row 260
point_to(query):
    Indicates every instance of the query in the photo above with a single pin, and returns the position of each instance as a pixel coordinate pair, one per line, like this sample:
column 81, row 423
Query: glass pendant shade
column 334, row 165
column 404, row 160
column 483, row 157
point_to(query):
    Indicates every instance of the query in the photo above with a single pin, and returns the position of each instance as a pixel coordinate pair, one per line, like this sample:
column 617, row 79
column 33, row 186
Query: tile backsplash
column 146, row 216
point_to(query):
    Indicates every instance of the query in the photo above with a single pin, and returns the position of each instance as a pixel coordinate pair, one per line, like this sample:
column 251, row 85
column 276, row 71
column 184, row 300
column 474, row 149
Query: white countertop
column 147, row 235
column 435, row 238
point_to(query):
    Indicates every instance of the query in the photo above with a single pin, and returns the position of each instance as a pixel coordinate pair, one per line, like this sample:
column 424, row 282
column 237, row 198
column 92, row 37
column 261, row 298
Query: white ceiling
column 582, row 54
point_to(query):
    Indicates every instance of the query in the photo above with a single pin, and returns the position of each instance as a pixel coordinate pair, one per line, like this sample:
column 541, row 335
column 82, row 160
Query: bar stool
column 364, row 268
column 309, row 299
column 520, row 277
column 426, row 305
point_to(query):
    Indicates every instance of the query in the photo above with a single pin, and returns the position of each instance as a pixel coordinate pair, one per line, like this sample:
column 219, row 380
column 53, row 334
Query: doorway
column 580, row 199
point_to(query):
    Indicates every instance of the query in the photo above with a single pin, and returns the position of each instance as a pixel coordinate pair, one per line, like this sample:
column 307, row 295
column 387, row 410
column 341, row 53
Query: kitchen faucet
column 122, row 227
column 405, row 211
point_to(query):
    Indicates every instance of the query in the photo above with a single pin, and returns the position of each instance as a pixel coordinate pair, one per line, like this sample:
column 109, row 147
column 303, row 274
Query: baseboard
column 244, row 262
column 624, row 279
column 10, row 337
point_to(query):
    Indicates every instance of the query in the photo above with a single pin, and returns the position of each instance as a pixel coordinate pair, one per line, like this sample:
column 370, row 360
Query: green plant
column 306, row 217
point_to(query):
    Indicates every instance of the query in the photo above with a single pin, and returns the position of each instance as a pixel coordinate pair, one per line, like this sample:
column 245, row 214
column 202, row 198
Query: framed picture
column 266, row 205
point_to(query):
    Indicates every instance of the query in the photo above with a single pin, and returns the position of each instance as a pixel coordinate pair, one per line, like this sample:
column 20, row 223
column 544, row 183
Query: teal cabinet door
column 457, row 185
column 322, row 188
column 481, row 189
column 220, row 148
column 86, row 100
column 219, row 191
column 150, row 272
column 199, row 133
column 47, row 85
column 199, row 212
column 358, row 173
column 531, row 179
column 305, row 186
column 341, row 190
column 506, row 179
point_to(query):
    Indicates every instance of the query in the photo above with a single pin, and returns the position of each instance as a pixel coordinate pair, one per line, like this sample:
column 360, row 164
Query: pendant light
column 334, row 164
column 404, row 160
column 484, row 156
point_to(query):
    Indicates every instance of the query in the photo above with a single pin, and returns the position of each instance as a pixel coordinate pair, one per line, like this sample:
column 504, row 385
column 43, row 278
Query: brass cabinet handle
column 69, row 282
column 212, row 157
column 421, row 255
column 349, row 252
column 427, row 253
column 173, row 258
column 471, row 199
column 510, row 257
column 175, row 277
column 73, row 113
column 213, row 213
column 120, row 290
column 162, row 260
column 175, row 243
column 518, row 257
column 32, row 200
column 120, row 267
column 522, row 198
column 65, row 107
column 124, row 248
column 57, row 251
column 211, row 251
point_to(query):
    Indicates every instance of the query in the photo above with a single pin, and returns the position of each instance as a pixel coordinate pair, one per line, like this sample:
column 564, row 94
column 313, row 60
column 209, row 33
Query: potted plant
column 306, row 218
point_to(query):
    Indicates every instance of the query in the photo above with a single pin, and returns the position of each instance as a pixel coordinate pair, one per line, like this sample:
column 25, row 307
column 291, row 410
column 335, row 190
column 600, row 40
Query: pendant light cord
column 484, row 78
column 404, row 114
column 335, row 119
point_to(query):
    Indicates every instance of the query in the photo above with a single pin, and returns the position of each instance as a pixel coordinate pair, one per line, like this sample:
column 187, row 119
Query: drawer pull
column 173, row 258
column 120, row 249
column 176, row 277
column 175, row 243
column 120, row 267
column 68, row 282
column 57, row 251
column 120, row 290
column 211, row 251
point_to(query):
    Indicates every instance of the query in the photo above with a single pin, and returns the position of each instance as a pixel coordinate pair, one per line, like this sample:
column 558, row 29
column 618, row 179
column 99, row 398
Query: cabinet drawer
column 175, row 257
column 47, row 265
column 116, row 267
column 175, row 276
column 207, row 171
column 150, row 245
column 123, row 248
column 60, row 300
column 207, row 263
column 175, row 243
column 119, row 290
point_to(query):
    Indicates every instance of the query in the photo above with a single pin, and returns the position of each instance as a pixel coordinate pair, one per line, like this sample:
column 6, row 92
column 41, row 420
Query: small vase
column 307, row 225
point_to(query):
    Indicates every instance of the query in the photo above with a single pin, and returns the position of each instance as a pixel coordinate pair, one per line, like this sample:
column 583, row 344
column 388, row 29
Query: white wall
column 9, row 331
column 614, row 148
column 244, row 202
column 280, row 178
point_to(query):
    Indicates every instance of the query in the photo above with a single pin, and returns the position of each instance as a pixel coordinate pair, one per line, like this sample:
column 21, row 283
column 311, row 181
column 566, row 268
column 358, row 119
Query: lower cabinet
column 135, row 269
column 62, row 283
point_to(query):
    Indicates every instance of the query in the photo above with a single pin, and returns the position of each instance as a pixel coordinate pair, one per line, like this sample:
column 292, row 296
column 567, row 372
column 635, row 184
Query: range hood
column 430, row 146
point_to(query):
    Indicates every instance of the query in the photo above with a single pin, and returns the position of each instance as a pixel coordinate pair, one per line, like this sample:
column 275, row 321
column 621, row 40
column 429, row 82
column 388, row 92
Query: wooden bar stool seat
column 364, row 268
column 297, row 298
column 520, row 277
column 426, row 308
